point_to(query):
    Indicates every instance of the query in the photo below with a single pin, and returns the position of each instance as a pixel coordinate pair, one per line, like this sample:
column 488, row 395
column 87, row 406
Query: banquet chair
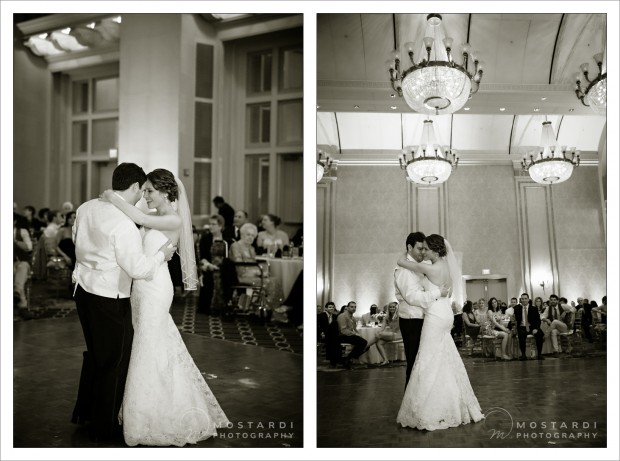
column 249, row 289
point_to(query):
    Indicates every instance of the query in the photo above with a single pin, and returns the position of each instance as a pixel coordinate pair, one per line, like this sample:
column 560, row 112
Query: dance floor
column 558, row 402
column 260, row 389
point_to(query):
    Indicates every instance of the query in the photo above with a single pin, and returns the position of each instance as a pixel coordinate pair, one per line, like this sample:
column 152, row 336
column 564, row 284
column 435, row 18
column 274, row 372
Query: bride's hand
column 402, row 259
column 106, row 196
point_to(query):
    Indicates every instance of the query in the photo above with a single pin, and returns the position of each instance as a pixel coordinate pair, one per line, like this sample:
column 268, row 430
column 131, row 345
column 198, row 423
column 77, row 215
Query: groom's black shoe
column 523, row 357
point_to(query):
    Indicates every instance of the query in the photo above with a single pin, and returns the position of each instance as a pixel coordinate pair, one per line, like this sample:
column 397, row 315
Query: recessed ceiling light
column 318, row 107
column 356, row 106
column 393, row 107
column 571, row 110
column 467, row 108
column 543, row 99
column 502, row 109
column 536, row 109
column 392, row 95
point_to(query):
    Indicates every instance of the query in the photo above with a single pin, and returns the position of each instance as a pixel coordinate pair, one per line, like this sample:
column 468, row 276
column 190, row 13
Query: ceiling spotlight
column 571, row 110
column 356, row 107
column 467, row 108
column 502, row 109
column 536, row 109
column 393, row 107
column 543, row 99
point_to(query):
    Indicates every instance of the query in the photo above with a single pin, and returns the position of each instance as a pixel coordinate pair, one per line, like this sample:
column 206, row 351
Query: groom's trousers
column 411, row 329
column 106, row 323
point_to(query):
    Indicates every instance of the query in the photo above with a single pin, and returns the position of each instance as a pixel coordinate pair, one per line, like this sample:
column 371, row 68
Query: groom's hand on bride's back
column 168, row 250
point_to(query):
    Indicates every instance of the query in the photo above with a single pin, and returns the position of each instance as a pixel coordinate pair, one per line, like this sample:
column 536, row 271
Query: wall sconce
column 542, row 283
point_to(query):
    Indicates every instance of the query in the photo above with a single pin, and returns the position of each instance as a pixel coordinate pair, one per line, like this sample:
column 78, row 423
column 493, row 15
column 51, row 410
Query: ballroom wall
column 32, row 101
column 371, row 225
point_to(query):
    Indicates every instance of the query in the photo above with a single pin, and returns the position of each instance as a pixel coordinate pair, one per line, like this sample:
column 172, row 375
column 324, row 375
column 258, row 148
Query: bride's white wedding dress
column 166, row 401
column 438, row 395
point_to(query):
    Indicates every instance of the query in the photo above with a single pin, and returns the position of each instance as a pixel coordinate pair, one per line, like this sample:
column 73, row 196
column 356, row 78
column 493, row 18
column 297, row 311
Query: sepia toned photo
column 461, row 230
column 158, row 230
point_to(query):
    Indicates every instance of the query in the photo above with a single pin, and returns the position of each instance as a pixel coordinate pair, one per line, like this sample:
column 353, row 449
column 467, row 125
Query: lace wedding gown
column 166, row 401
column 438, row 395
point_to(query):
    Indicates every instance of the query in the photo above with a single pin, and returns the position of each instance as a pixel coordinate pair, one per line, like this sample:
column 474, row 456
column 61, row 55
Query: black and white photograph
column 462, row 230
column 190, row 181
column 158, row 230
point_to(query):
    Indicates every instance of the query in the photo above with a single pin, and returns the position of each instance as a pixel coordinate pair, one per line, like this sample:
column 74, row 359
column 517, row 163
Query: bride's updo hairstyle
column 163, row 181
column 437, row 244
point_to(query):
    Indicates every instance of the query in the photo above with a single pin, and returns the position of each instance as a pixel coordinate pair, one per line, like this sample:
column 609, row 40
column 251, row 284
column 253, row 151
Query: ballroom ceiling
column 530, row 62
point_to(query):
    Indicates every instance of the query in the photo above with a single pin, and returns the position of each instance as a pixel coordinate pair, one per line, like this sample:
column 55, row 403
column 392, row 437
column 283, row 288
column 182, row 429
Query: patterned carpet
column 52, row 299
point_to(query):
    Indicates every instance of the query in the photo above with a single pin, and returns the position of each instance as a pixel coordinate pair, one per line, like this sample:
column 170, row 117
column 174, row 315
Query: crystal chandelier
column 550, row 164
column 436, row 84
column 595, row 93
column 323, row 165
column 430, row 163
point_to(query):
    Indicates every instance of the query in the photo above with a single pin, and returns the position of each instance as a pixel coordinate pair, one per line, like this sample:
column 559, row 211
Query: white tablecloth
column 285, row 270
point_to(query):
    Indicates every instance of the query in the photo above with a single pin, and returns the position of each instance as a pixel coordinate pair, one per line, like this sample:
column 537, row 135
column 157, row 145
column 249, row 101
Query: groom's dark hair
column 126, row 174
column 415, row 237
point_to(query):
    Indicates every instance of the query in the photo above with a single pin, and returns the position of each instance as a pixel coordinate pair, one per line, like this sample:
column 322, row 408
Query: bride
column 438, row 395
column 166, row 401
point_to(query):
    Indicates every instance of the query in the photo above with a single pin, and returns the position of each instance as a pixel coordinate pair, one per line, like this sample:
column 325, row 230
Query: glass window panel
column 290, row 122
column 258, row 123
column 105, row 136
column 204, row 71
column 202, row 188
column 78, row 183
column 101, row 177
column 259, row 72
column 203, row 136
column 79, row 145
column 80, row 97
column 291, row 69
column 105, row 94
column 257, row 185
column 290, row 187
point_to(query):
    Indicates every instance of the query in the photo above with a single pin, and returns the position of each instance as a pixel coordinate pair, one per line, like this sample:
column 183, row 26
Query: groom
column 108, row 248
column 414, row 294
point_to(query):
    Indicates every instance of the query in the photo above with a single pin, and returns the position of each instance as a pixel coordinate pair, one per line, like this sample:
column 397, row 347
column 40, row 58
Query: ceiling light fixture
column 323, row 165
column 430, row 163
column 594, row 95
column 549, row 163
column 436, row 84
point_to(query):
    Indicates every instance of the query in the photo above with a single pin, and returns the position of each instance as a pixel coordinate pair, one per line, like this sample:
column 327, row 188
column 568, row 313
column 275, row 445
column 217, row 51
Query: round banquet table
column 285, row 270
column 373, row 356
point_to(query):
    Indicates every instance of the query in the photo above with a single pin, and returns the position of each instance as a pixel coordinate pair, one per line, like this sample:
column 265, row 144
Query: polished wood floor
column 254, row 385
column 558, row 402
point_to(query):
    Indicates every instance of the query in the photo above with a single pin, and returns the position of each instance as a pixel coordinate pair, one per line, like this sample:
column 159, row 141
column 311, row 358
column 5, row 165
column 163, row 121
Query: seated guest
column 538, row 304
column 499, row 329
column 369, row 317
column 602, row 310
column 271, row 239
column 22, row 255
column 324, row 319
column 472, row 327
column 65, row 246
column 54, row 220
column 243, row 250
column 527, row 320
column 348, row 333
column 389, row 332
column 586, row 319
column 239, row 219
column 559, row 318
column 213, row 249
column 34, row 226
